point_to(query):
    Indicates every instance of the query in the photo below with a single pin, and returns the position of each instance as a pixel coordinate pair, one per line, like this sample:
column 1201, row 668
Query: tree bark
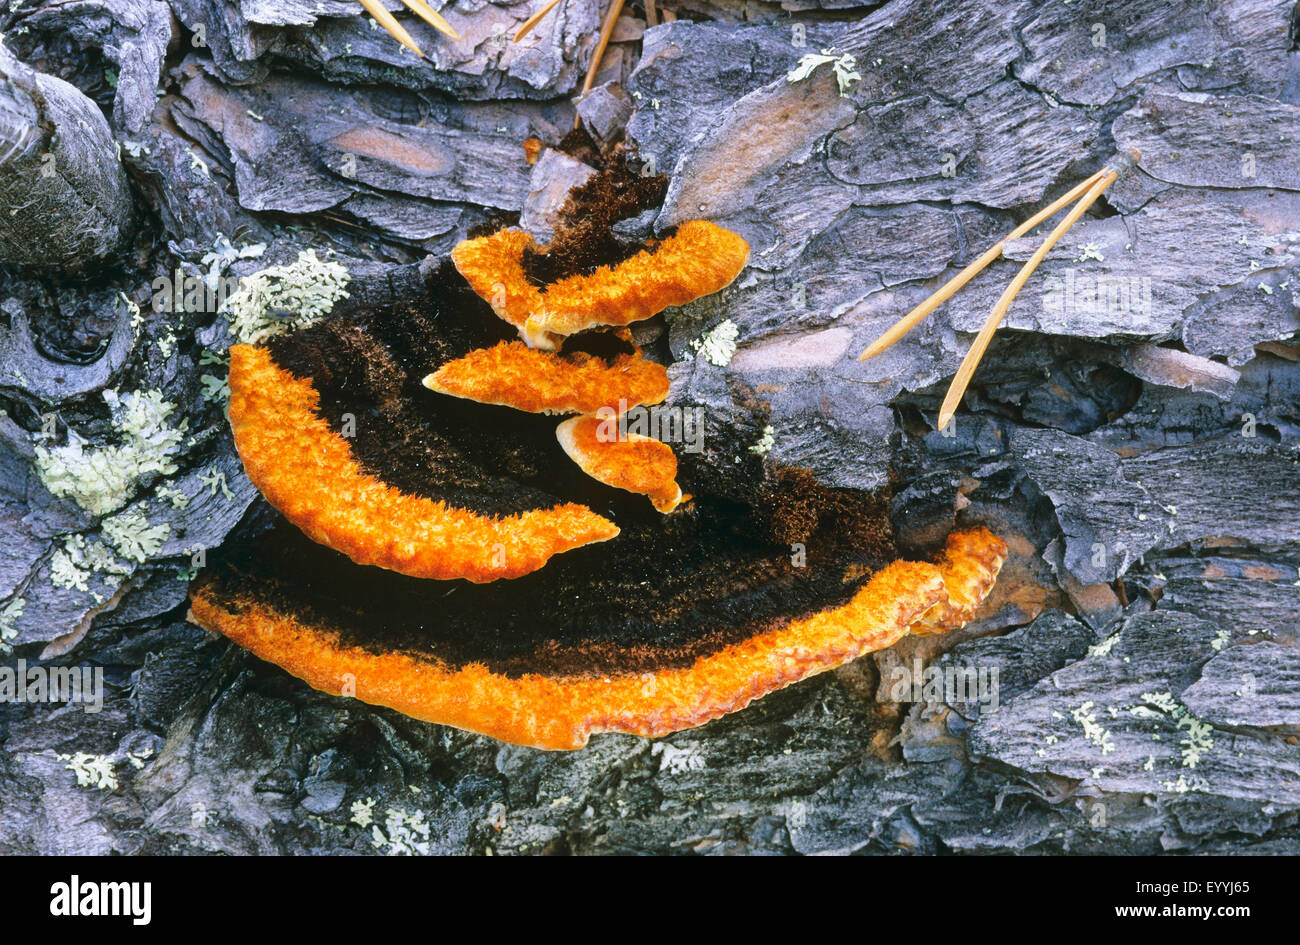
column 1139, row 456
column 65, row 194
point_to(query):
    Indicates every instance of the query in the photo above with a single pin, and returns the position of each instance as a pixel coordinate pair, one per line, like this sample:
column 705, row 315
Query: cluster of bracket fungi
column 451, row 613
column 698, row 259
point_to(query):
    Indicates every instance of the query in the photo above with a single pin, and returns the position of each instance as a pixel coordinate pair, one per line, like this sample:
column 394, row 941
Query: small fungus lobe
column 626, row 461
column 514, row 375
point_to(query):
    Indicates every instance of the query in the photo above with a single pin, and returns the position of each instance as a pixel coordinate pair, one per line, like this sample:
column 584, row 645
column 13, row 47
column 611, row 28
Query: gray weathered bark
column 64, row 193
column 1141, row 459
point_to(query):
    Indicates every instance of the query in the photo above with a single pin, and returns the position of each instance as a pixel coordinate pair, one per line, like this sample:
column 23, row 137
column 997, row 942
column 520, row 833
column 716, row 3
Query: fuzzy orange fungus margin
column 562, row 713
column 309, row 473
column 514, row 375
column 632, row 462
column 699, row 259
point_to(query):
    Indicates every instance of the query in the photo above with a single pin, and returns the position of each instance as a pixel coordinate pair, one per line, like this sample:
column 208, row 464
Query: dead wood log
column 65, row 195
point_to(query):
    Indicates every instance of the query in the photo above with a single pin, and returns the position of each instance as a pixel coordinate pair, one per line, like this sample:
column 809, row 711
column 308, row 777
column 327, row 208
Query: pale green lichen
column 846, row 68
column 137, row 316
column 132, row 537
column 9, row 615
column 215, row 389
column 178, row 499
column 765, row 443
column 187, row 574
column 79, row 561
column 1164, row 701
column 718, row 346
column 674, row 760
column 101, row 479
column 1199, row 740
column 1105, row 646
column 363, row 812
column 215, row 480
column 404, row 833
column 223, row 254
column 1091, row 730
column 92, row 771
column 282, row 298
column 139, row 758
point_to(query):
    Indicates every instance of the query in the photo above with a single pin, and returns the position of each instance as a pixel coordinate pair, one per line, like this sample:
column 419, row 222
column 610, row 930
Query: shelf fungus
column 622, row 460
column 699, row 259
column 659, row 634
column 407, row 446
column 335, row 429
column 308, row 472
column 514, row 375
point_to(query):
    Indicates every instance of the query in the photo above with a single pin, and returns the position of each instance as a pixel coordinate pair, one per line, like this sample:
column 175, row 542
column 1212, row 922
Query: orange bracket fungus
column 699, row 259
column 514, row 375
column 307, row 471
column 632, row 462
column 445, row 550
column 551, row 662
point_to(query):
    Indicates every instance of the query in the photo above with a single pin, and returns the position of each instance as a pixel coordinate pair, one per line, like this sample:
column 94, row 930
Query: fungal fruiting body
column 514, row 375
column 623, row 460
column 557, row 704
column 699, row 259
column 307, row 472
column 411, row 455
